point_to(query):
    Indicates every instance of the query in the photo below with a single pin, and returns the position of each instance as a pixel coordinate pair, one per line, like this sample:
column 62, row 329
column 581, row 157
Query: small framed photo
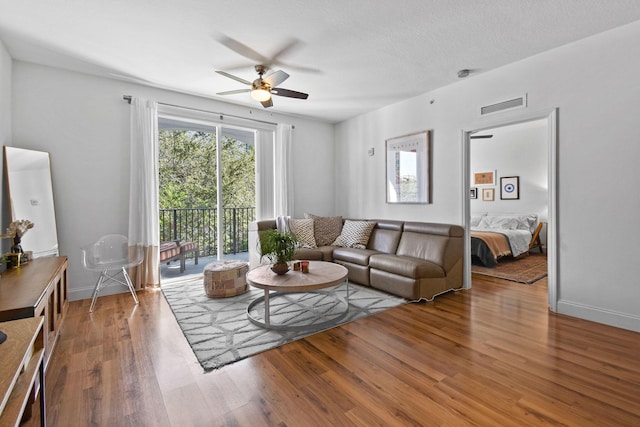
column 510, row 188
column 473, row 193
column 484, row 178
column 488, row 194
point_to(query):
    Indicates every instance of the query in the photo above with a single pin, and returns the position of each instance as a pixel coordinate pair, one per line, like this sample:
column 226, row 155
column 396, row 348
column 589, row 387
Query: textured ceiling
column 363, row 54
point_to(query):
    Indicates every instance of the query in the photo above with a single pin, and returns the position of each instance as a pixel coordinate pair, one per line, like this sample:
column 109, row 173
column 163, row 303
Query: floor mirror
column 30, row 194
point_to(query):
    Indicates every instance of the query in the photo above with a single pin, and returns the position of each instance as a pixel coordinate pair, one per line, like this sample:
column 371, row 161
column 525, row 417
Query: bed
column 494, row 236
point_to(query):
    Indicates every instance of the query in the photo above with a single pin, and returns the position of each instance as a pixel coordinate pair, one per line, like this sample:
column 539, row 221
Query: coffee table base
column 267, row 324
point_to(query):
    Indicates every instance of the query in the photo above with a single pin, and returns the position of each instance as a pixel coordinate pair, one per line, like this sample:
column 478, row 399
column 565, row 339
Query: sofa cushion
column 321, row 253
column 353, row 255
column 386, row 236
column 326, row 228
column 406, row 266
column 354, row 234
column 303, row 230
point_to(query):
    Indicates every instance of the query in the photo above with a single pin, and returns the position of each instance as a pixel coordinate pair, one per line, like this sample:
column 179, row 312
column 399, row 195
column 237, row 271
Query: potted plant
column 279, row 248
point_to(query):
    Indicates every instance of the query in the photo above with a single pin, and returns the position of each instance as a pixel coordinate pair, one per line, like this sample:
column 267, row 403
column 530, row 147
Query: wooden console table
column 21, row 365
column 38, row 288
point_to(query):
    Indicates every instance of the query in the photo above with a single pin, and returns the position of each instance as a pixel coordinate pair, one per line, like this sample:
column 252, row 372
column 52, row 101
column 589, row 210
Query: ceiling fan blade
column 268, row 103
column 285, row 49
column 233, row 92
column 275, row 78
column 289, row 93
column 242, row 49
column 231, row 76
column 300, row 68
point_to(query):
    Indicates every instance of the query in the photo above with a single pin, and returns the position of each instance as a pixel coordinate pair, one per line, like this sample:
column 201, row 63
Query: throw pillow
column 303, row 230
column 355, row 234
column 326, row 228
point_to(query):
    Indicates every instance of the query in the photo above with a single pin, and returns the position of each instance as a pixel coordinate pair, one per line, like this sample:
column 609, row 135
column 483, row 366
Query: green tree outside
column 188, row 180
column 188, row 171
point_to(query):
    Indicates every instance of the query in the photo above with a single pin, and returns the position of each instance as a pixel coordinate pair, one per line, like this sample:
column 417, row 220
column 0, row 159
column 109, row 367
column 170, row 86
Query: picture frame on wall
column 488, row 194
column 408, row 169
column 484, row 178
column 509, row 188
column 473, row 193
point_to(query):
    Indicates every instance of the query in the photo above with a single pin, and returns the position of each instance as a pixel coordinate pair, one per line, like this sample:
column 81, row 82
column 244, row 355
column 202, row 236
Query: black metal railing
column 200, row 225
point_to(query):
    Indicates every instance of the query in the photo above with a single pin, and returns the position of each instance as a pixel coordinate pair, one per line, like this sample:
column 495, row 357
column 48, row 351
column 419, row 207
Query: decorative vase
column 280, row 268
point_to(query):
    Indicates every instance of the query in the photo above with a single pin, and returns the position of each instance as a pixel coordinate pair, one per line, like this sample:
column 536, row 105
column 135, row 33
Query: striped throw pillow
column 326, row 228
column 303, row 230
column 355, row 234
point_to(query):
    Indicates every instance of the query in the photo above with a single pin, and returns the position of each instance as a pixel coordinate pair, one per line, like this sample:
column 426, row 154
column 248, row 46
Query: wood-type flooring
column 493, row 355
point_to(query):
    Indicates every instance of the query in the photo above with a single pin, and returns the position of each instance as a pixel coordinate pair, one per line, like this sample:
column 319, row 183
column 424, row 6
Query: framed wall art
column 488, row 194
column 484, row 178
column 509, row 188
column 409, row 168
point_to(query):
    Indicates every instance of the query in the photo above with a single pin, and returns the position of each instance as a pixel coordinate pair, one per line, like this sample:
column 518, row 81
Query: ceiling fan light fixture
column 260, row 94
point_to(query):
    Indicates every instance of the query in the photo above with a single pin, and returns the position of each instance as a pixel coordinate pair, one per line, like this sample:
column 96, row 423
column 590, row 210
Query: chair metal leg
column 96, row 289
column 103, row 279
column 130, row 285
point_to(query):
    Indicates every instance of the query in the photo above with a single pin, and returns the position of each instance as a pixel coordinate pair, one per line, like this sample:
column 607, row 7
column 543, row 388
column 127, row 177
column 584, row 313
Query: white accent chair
column 111, row 255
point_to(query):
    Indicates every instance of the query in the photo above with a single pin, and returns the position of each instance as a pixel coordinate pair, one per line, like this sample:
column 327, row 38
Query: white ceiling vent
column 510, row 104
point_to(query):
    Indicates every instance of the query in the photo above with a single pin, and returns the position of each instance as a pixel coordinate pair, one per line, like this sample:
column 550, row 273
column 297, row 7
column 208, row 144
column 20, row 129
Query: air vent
column 511, row 104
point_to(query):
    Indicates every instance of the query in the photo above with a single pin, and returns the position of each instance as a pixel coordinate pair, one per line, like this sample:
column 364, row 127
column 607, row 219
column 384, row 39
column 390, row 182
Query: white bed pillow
column 499, row 222
column 476, row 218
column 510, row 222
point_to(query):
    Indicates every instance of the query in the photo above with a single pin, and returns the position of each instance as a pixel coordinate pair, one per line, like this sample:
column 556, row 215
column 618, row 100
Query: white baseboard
column 86, row 293
column 600, row 315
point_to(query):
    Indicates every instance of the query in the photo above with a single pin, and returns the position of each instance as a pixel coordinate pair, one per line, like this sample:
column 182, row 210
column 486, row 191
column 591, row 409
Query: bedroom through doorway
column 509, row 201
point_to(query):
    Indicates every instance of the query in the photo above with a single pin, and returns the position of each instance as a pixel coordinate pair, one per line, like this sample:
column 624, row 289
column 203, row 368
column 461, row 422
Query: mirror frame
column 37, row 205
column 417, row 167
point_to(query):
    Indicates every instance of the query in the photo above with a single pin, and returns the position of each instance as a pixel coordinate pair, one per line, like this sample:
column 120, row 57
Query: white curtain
column 144, row 224
column 283, row 165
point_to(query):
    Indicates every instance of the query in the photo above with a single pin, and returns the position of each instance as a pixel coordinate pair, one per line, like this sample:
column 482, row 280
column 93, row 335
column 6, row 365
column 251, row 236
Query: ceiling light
column 260, row 94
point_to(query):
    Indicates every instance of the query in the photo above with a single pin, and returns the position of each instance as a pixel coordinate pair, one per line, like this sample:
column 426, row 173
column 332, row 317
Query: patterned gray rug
column 220, row 333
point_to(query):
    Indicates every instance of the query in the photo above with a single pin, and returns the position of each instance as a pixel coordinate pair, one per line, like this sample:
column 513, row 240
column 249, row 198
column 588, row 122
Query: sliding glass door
column 207, row 185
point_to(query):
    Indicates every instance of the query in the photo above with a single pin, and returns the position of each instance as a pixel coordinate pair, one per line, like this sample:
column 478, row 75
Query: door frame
column 552, row 180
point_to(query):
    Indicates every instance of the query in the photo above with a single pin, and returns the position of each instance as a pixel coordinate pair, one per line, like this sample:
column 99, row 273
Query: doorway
column 207, row 192
column 529, row 200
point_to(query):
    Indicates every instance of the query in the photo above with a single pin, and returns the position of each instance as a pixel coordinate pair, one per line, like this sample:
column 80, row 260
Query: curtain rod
column 128, row 99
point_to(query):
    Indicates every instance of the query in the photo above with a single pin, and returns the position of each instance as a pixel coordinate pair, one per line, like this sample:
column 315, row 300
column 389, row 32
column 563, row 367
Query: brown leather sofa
column 415, row 260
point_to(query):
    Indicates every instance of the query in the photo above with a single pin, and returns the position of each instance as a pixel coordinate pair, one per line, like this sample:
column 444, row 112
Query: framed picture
column 409, row 168
column 484, row 178
column 473, row 193
column 488, row 194
column 510, row 188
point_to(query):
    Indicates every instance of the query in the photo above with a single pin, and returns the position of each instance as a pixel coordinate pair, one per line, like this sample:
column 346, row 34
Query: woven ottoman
column 225, row 278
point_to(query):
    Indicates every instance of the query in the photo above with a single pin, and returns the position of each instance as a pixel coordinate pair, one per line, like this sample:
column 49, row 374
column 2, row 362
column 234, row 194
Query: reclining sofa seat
column 415, row 260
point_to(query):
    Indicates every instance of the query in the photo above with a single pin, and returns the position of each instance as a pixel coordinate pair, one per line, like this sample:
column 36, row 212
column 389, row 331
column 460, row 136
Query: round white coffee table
column 321, row 275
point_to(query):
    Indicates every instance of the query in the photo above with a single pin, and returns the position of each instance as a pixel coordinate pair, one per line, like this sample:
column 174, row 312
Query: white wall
column 594, row 85
column 5, row 136
column 517, row 150
column 83, row 122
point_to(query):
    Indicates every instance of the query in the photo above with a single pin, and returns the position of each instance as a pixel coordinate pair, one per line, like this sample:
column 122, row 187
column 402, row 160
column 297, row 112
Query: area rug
column 220, row 333
column 526, row 270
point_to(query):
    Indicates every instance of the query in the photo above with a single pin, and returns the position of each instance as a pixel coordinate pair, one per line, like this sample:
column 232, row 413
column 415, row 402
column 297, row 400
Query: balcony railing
column 200, row 225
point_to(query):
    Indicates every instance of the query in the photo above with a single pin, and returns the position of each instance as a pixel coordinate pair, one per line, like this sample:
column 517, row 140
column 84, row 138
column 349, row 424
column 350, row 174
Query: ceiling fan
column 263, row 87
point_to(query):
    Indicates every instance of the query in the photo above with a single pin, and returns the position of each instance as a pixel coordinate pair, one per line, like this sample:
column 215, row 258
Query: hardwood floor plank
column 493, row 355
